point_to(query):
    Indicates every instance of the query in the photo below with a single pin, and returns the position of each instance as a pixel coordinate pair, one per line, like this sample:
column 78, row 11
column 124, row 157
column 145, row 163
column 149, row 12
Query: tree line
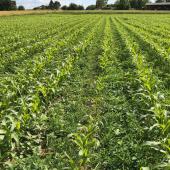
column 7, row 5
column 100, row 4
column 55, row 5
column 130, row 4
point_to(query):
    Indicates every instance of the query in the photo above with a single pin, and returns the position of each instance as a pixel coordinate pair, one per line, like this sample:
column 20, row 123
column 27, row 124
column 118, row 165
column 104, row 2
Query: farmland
column 85, row 92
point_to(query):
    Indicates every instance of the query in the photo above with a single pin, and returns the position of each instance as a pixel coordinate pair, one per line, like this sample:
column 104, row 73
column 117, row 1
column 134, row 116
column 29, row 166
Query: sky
column 29, row 4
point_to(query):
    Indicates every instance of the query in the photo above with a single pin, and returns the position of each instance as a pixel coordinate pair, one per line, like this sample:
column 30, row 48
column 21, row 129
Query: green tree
column 51, row 5
column 101, row 3
column 72, row 6
column 21, row 7
column 123, row 4
column 138, row 4
column 57, row 5
column 134, row 4
column 91, row 7
column 65, row 7
column 80, row 7
column 5, row 5
column 54, row 5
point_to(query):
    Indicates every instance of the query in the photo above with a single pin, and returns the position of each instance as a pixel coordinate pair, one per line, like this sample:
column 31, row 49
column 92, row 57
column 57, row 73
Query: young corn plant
column 86, row 143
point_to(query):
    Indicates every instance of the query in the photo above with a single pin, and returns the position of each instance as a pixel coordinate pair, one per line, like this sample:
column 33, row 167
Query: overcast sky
column 33, row 3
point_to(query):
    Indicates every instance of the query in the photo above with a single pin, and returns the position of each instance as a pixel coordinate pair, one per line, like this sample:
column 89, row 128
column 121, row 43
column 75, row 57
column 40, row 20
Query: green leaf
column 2, row 131
column 15, row 137
column 144, row 168
column 81, row 153
column 2, row 137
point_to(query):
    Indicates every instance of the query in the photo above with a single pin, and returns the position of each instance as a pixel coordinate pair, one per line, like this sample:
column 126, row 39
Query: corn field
column 85, row 92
